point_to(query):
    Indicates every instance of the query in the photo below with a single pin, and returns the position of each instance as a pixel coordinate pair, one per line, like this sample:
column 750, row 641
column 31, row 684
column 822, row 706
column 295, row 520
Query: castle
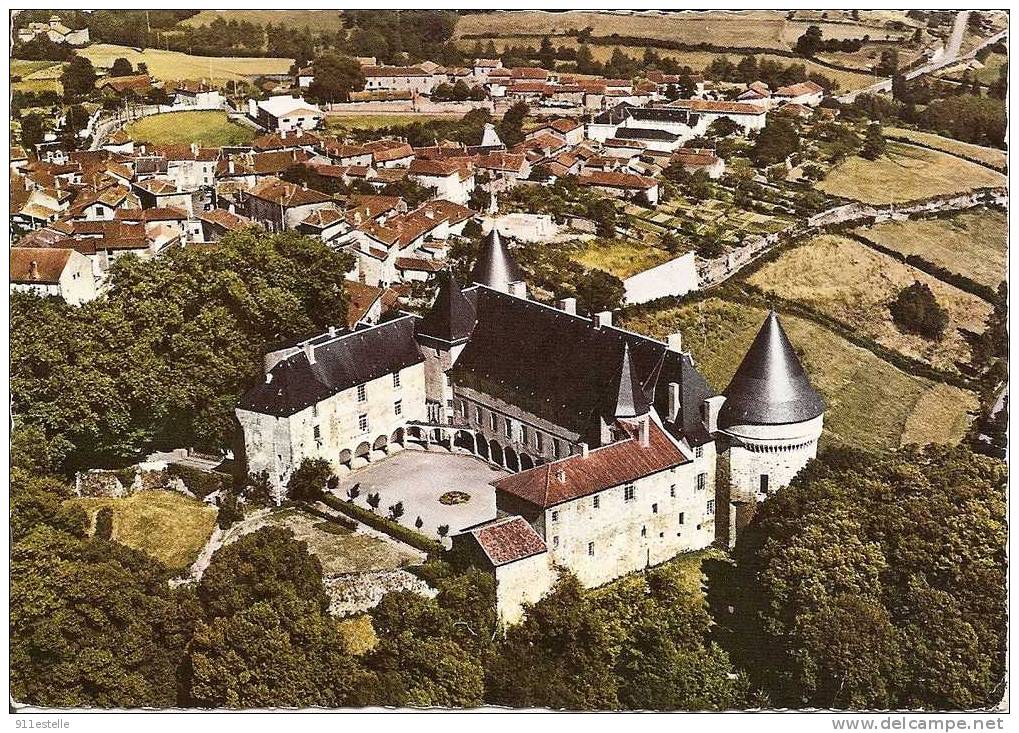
column 611, row 440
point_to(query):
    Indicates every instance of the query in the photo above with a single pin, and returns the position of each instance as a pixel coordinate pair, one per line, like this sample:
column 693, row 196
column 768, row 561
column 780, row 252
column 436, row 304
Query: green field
column 990, row 156
column 871, row 404
column 170, row 527
column 173, row 65
column 621, row 257
column 972, row 243
column 317, row 20
column 853, row 284
column 208, row 128
column 906, row 173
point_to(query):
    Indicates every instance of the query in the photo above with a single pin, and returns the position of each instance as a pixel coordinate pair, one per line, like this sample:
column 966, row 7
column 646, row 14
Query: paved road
column 950, row 56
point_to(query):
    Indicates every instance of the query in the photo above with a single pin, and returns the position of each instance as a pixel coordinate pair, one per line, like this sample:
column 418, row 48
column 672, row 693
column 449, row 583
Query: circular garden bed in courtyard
column 452, row 498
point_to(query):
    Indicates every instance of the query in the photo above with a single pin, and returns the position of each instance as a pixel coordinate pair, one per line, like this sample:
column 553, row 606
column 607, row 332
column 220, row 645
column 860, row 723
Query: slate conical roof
column 452, row 316
column 630, row 400
column 770, row 386
column 495, row 267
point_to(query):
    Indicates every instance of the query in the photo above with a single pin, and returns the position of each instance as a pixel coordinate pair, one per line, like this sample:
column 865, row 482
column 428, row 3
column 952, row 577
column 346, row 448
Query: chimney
column 561, row 476
column 674, row 401
column 602, row 319
column 584, row 450
column 645, row 432
column 230, row 166
column 33, row 270
column 194, row 149
column 676, row 342
column 332, row 331
column 309, row 351
column 518, row 289
column 304, row 185
column 567, row 305
column 268, row 377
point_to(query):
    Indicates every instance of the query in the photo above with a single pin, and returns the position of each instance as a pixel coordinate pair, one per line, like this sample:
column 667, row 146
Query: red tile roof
column 225, row 219
column 795, row 90
column 528, row 72
column 711, row 106
column 38, row 265
column 615, row 179
column 288, row 194
column 508, row 540
column 612, row 465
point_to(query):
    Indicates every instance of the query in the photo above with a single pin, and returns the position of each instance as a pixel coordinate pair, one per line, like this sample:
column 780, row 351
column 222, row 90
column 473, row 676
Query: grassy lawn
column 337, row 123
column 991, row 156
column 854, row 284
column 23, row 68
column 871, row 404
column 339, row 550
column 318, row 20
column 906, row 173
column 972, row 243
column 621, row 257
column 173, row 65
column 209, row 128
column 171, row 527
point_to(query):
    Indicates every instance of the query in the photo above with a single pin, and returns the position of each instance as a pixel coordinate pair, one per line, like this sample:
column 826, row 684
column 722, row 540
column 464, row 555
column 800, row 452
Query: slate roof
column 451, row 318
column 341, row 362
column 495, row 267
column 562, row 368
column 508, row 540
column 631, row 400
column 644, row 133
column 577, row 476
column 770, row 386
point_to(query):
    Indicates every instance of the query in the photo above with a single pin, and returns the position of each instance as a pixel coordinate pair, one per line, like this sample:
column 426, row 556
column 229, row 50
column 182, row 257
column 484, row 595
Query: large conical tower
column 772, row 415
column 496, row 267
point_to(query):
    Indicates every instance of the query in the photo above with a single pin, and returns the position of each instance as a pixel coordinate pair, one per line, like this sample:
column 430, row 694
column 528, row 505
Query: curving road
column 948, row 58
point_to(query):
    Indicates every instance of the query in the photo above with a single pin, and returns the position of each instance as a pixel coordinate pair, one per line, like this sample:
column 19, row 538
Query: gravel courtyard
column 418, row 478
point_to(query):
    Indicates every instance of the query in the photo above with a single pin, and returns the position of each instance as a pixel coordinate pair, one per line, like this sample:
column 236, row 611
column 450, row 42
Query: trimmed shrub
column 104, row 523
column 393, row 529
column 916, row 310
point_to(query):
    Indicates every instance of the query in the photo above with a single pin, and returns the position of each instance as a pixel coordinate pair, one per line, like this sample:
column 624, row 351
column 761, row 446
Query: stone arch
column 464, row 439
column 483, row 451
column 526, row 462
column 496, row 454
column 512, row 462
column 364, row 450
column 346, row 457
column 380, row 443
column 397, row 436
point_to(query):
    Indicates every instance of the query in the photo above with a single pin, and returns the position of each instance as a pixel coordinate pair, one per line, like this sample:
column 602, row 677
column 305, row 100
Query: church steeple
column 451, row 318
column 496, row 267
column 631, row 401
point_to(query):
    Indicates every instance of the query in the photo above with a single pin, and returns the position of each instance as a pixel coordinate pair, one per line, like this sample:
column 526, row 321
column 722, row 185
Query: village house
column 59, row 272
column 284, row 112
column 163, row 193
column 750, row 117
column 619, row 184
column 505, row 170
column 696, row 159
column 56, row 31
column 217, row 223
column 806, row 93
column 390, row 153
column 413, row 79
column 278, row 205
column 190, row 94
column 452, row 180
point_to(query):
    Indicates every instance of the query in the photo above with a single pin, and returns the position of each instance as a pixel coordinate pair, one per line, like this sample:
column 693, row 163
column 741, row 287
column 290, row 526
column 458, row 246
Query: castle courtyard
column 418, row 478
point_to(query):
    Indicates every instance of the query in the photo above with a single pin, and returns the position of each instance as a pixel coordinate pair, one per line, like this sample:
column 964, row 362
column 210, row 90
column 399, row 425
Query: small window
column 597, row 502
column 539, row 441
column 764, row 483
column 555, row 447
column 672, row 491
column 629, row 493
column 681, row 517
column 508, row 425
column 524, row 436
column 317, row 432
column 396, row 379
column 495, row 422
column 362, row 423
column 654, row 508
column 555, row 541
column 590, row 549
column 362, row 393
column 698, row 452
column 643, row 531
column 314, row 410
column 710, row 508
column 702, row 481
column 398, row 407
column 477, row 415
column 555, row 516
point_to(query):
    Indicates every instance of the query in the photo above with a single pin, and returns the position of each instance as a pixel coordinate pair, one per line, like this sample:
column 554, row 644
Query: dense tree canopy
column 164, row 356
column 876, row 581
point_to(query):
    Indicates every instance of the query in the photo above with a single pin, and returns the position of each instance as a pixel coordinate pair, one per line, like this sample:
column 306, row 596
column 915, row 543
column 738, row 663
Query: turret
column 442, row 334
column 772, row 415
column 496, row 267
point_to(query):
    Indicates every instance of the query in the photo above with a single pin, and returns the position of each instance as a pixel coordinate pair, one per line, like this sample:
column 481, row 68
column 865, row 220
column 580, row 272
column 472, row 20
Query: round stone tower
column 771, row 414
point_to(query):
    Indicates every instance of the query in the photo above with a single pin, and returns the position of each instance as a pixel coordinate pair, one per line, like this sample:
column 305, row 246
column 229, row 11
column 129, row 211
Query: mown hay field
column 173, row 65
column 991, row 156
column 375, row 121
column 973, row 243
column 208, row 128
column 906, row 173
column 854, row 284
column 871, row 403
column 169, row 526
column 318, row 20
